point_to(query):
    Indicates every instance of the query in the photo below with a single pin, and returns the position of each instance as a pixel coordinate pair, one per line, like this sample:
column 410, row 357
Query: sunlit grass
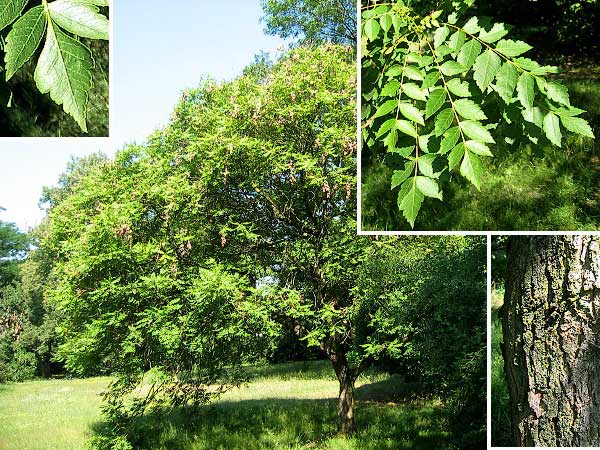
column 284, row 406
column 523, row 188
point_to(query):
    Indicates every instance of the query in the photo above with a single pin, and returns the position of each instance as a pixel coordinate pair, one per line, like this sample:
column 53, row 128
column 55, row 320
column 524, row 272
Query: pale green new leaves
column 412, row 113
column 64, row 71
column 79, row 18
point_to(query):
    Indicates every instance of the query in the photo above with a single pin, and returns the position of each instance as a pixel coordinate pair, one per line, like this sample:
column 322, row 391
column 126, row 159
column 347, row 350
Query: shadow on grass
column 524, row 187
column 289, row 424
column 303, row 370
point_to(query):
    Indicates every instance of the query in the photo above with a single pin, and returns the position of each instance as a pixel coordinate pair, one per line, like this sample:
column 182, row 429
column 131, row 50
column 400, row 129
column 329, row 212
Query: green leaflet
column 497, row 32
column 400, row 176
column 456, row 155
column 406, row 127
column 476, row 131
column 79, row 18
column 552, row 128
column 512, row 48
column 557, row 92
column 437, row 98
column 577, row 125
column 443, row 120
column 410, row 201
column 439, row 36
column 472, row 26
column 468, row 53
column 64, row 71
column 386, row 108
column 428, row 187
column 469, row 109
column 506, row 81
column 478, row 148
column 24, row 39
column 486, row 66
column 412, row 113
column 9, row 11
column 458, row 87
column 413, row 73
column 390, row 89
column 386, row 22
column 451, row 68
column 372, row 28
column 525, row 90
column 450, row 139
column 472, row 169
column 457, row 40
column 413, row 91
column 425, row 163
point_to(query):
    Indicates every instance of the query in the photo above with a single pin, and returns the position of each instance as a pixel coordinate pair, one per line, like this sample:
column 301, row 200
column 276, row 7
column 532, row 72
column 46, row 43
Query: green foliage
column 450, row 59
column 312, row 21
column 65, row 65
column 164, row 255
column 284, row 406
column 13, row 247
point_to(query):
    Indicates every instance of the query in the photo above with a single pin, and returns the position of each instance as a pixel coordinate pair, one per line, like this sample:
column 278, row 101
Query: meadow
column 523, row 187
column 283, row 406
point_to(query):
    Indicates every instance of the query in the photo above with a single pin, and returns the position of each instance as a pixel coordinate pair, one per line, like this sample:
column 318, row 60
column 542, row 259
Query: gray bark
column 550, row 328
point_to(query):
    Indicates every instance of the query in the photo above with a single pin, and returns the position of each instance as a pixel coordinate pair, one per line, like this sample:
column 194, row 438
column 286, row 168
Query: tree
column 550, row 330
column 162, row 255
column 435, row 88
column 312, row 21
column 13, row 247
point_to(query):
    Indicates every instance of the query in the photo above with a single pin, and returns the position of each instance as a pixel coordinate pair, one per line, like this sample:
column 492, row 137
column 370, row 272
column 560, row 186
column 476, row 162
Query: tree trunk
column 551, row 353
column 346, row 377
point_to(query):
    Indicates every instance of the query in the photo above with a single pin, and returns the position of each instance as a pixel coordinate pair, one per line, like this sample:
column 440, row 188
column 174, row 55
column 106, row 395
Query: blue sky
column 159, row 49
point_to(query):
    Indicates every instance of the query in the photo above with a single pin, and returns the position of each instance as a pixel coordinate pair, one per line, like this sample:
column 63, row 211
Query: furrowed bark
column 346, row 377
column 550, row 328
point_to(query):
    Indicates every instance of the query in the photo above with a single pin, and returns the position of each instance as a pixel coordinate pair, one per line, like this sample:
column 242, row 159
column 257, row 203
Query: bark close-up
column 551, row 353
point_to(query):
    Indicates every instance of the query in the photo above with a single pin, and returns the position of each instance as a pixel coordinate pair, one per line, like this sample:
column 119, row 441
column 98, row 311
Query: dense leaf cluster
column 434, row 90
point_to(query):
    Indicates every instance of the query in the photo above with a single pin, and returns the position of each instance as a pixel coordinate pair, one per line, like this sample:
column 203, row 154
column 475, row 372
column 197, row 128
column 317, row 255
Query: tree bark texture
column 550, row 328
column 346, row 377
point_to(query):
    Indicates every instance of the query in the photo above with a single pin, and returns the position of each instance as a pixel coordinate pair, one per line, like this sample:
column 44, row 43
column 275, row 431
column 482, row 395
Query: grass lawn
column 284, row 406
column 523, row 187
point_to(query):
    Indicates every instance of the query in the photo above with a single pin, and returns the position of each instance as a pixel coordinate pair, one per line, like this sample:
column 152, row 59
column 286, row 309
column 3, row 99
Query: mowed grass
column 50, row 414
column 284, row 406
column 526, row 187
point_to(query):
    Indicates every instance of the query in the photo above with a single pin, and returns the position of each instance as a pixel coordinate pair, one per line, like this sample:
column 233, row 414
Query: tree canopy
column 312, row 21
